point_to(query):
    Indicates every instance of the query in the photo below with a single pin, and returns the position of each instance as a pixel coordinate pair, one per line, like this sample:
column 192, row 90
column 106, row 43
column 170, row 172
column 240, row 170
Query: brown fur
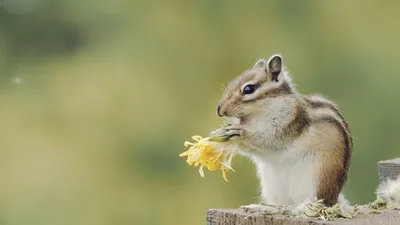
column 341, row 125
column 334, row 145
column 283, row 89
column 334, row 152
column 301, row 121
column 232, row 98
column 327, row 104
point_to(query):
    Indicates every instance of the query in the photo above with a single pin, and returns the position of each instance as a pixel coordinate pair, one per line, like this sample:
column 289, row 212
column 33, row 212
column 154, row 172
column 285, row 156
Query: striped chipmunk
column 300, row 144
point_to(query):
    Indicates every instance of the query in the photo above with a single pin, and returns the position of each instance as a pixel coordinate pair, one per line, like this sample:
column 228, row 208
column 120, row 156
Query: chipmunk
column 300, row 144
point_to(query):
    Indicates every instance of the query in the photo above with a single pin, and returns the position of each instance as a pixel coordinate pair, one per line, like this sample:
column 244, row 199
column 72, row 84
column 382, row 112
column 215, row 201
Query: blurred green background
column 97, row 98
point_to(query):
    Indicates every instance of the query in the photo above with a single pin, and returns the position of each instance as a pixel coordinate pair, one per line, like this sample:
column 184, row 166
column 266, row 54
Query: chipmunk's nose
column 219, row 111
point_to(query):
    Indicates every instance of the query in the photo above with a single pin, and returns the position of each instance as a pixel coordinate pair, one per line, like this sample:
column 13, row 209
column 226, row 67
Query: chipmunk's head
column 252, row 90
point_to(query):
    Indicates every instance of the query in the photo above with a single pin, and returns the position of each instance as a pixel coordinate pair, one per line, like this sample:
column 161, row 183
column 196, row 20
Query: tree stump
column 386, row 169
column 238, row 217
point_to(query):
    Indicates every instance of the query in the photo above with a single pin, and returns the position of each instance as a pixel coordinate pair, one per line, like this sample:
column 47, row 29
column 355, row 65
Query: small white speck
column 17, row 80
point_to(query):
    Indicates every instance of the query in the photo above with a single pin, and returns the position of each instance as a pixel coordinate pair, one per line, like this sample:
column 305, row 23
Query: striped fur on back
column 333, row 180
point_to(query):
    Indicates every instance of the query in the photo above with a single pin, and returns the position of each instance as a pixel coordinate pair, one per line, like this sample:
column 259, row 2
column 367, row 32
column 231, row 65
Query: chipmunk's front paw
column 263, row 209
column 228, row 132
column 234, row 131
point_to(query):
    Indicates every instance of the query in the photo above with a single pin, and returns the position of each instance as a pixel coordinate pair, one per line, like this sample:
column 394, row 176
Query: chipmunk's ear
column 261, row 63
column 275, row 64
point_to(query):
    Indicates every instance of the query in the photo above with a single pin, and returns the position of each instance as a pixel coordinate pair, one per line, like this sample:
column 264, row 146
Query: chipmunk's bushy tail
column 389, row 192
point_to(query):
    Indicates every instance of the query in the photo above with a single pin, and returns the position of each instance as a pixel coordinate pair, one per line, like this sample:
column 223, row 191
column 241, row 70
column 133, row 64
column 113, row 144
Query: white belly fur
column 287, row 178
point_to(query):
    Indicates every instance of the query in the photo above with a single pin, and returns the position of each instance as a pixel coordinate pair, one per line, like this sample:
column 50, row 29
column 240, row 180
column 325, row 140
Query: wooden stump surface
column 238, row 217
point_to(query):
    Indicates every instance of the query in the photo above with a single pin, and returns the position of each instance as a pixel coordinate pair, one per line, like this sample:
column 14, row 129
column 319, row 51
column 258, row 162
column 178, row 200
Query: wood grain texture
column 238, row 217
column 389, row 169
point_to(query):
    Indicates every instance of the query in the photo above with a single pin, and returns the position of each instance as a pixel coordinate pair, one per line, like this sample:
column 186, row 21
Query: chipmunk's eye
column 249, row 89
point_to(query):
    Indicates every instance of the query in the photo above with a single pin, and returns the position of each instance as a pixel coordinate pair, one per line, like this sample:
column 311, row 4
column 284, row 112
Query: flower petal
column 208, row 154
column 188, row 143
column 224, row 175
column 201, row 171
column 228, row 167
column 197, row 138
column 183, row 154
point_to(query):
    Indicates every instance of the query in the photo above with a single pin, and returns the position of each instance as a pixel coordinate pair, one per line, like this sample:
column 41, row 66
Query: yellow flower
column 209, row 154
